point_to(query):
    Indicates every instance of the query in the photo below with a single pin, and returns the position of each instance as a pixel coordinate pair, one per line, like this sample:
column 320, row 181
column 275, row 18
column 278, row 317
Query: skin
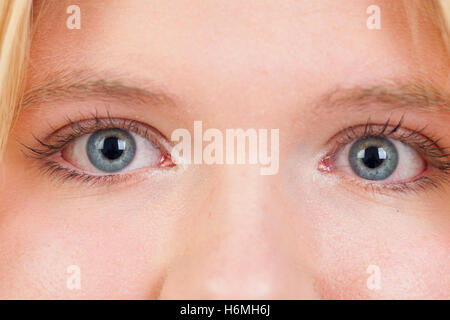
column 225, row 231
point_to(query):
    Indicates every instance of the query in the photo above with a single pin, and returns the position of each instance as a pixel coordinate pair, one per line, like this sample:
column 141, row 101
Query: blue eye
column 111, row 150
column 373, row 158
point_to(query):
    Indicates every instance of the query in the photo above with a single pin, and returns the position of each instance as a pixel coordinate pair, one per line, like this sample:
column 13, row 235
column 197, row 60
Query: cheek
column 117, row 256
column 352, row 237
column 121, row 240
column 403, row 258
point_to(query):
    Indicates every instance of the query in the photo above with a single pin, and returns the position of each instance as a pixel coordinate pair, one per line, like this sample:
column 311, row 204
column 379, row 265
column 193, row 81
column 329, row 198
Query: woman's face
column 356, row 205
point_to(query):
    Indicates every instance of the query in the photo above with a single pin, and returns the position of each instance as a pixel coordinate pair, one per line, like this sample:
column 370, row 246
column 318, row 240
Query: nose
column 241, row 246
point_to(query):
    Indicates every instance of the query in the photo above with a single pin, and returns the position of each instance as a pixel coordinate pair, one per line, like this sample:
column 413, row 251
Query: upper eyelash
column 429, row 146
column 77, row 129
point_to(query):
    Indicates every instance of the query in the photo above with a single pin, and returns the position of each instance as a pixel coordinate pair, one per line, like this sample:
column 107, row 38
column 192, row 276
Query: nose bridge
column 240, row 248
column 244, row 193
column 241, row 210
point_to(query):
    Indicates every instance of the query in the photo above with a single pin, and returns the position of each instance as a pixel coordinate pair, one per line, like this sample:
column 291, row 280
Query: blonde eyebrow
column 82, row 86
column 68, row 86
column 413, row 95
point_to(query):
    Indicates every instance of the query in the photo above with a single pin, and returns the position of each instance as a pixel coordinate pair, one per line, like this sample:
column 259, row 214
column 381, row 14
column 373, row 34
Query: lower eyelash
column 63, row 174
column 420, row 184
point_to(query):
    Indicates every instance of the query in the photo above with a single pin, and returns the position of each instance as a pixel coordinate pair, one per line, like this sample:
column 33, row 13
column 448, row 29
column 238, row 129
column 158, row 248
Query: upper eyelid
column 56, row 140
column 99, row 123
column 435, row 156
column 427, row 145
column 369, row 129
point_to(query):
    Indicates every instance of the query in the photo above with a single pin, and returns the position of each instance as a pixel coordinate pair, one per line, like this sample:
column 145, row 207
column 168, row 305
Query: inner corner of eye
column 325, row 164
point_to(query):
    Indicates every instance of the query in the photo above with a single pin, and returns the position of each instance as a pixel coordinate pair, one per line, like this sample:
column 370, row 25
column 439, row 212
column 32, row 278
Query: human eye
column 101, row 150
column 385, row 157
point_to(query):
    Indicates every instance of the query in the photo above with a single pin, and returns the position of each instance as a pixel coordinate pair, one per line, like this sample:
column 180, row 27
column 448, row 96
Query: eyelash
column 427, row 147
column 55, row 142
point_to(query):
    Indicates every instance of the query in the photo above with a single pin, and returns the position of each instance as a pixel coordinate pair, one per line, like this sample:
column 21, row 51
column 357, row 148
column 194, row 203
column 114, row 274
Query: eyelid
column 47, row 152
column 56, row 141
column 437, row 158
column 427, row 147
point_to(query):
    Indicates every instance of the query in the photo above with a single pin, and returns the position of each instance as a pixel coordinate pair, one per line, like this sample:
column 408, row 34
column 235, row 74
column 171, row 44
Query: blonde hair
column 15, row 34
column 14, row 44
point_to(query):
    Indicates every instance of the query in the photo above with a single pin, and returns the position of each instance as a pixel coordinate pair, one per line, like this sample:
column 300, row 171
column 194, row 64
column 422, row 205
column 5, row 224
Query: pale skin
column 225, row 231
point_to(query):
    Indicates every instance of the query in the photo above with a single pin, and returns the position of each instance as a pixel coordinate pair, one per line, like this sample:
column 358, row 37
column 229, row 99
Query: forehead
column 281, row 45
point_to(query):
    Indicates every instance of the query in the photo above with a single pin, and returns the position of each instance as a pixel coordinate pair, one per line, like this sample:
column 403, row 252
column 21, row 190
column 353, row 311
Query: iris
column 373, row 158
column 111, row 150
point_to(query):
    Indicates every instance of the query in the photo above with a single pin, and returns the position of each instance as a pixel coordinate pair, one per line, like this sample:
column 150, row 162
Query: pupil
column 112, row 148
column 372, row 157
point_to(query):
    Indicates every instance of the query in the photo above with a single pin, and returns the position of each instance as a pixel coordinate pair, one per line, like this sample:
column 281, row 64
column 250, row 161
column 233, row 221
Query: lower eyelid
column 357, row 185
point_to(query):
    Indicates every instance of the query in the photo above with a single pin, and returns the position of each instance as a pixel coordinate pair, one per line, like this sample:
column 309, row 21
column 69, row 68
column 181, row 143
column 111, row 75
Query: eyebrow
column 417, row 95
column 82, row 86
